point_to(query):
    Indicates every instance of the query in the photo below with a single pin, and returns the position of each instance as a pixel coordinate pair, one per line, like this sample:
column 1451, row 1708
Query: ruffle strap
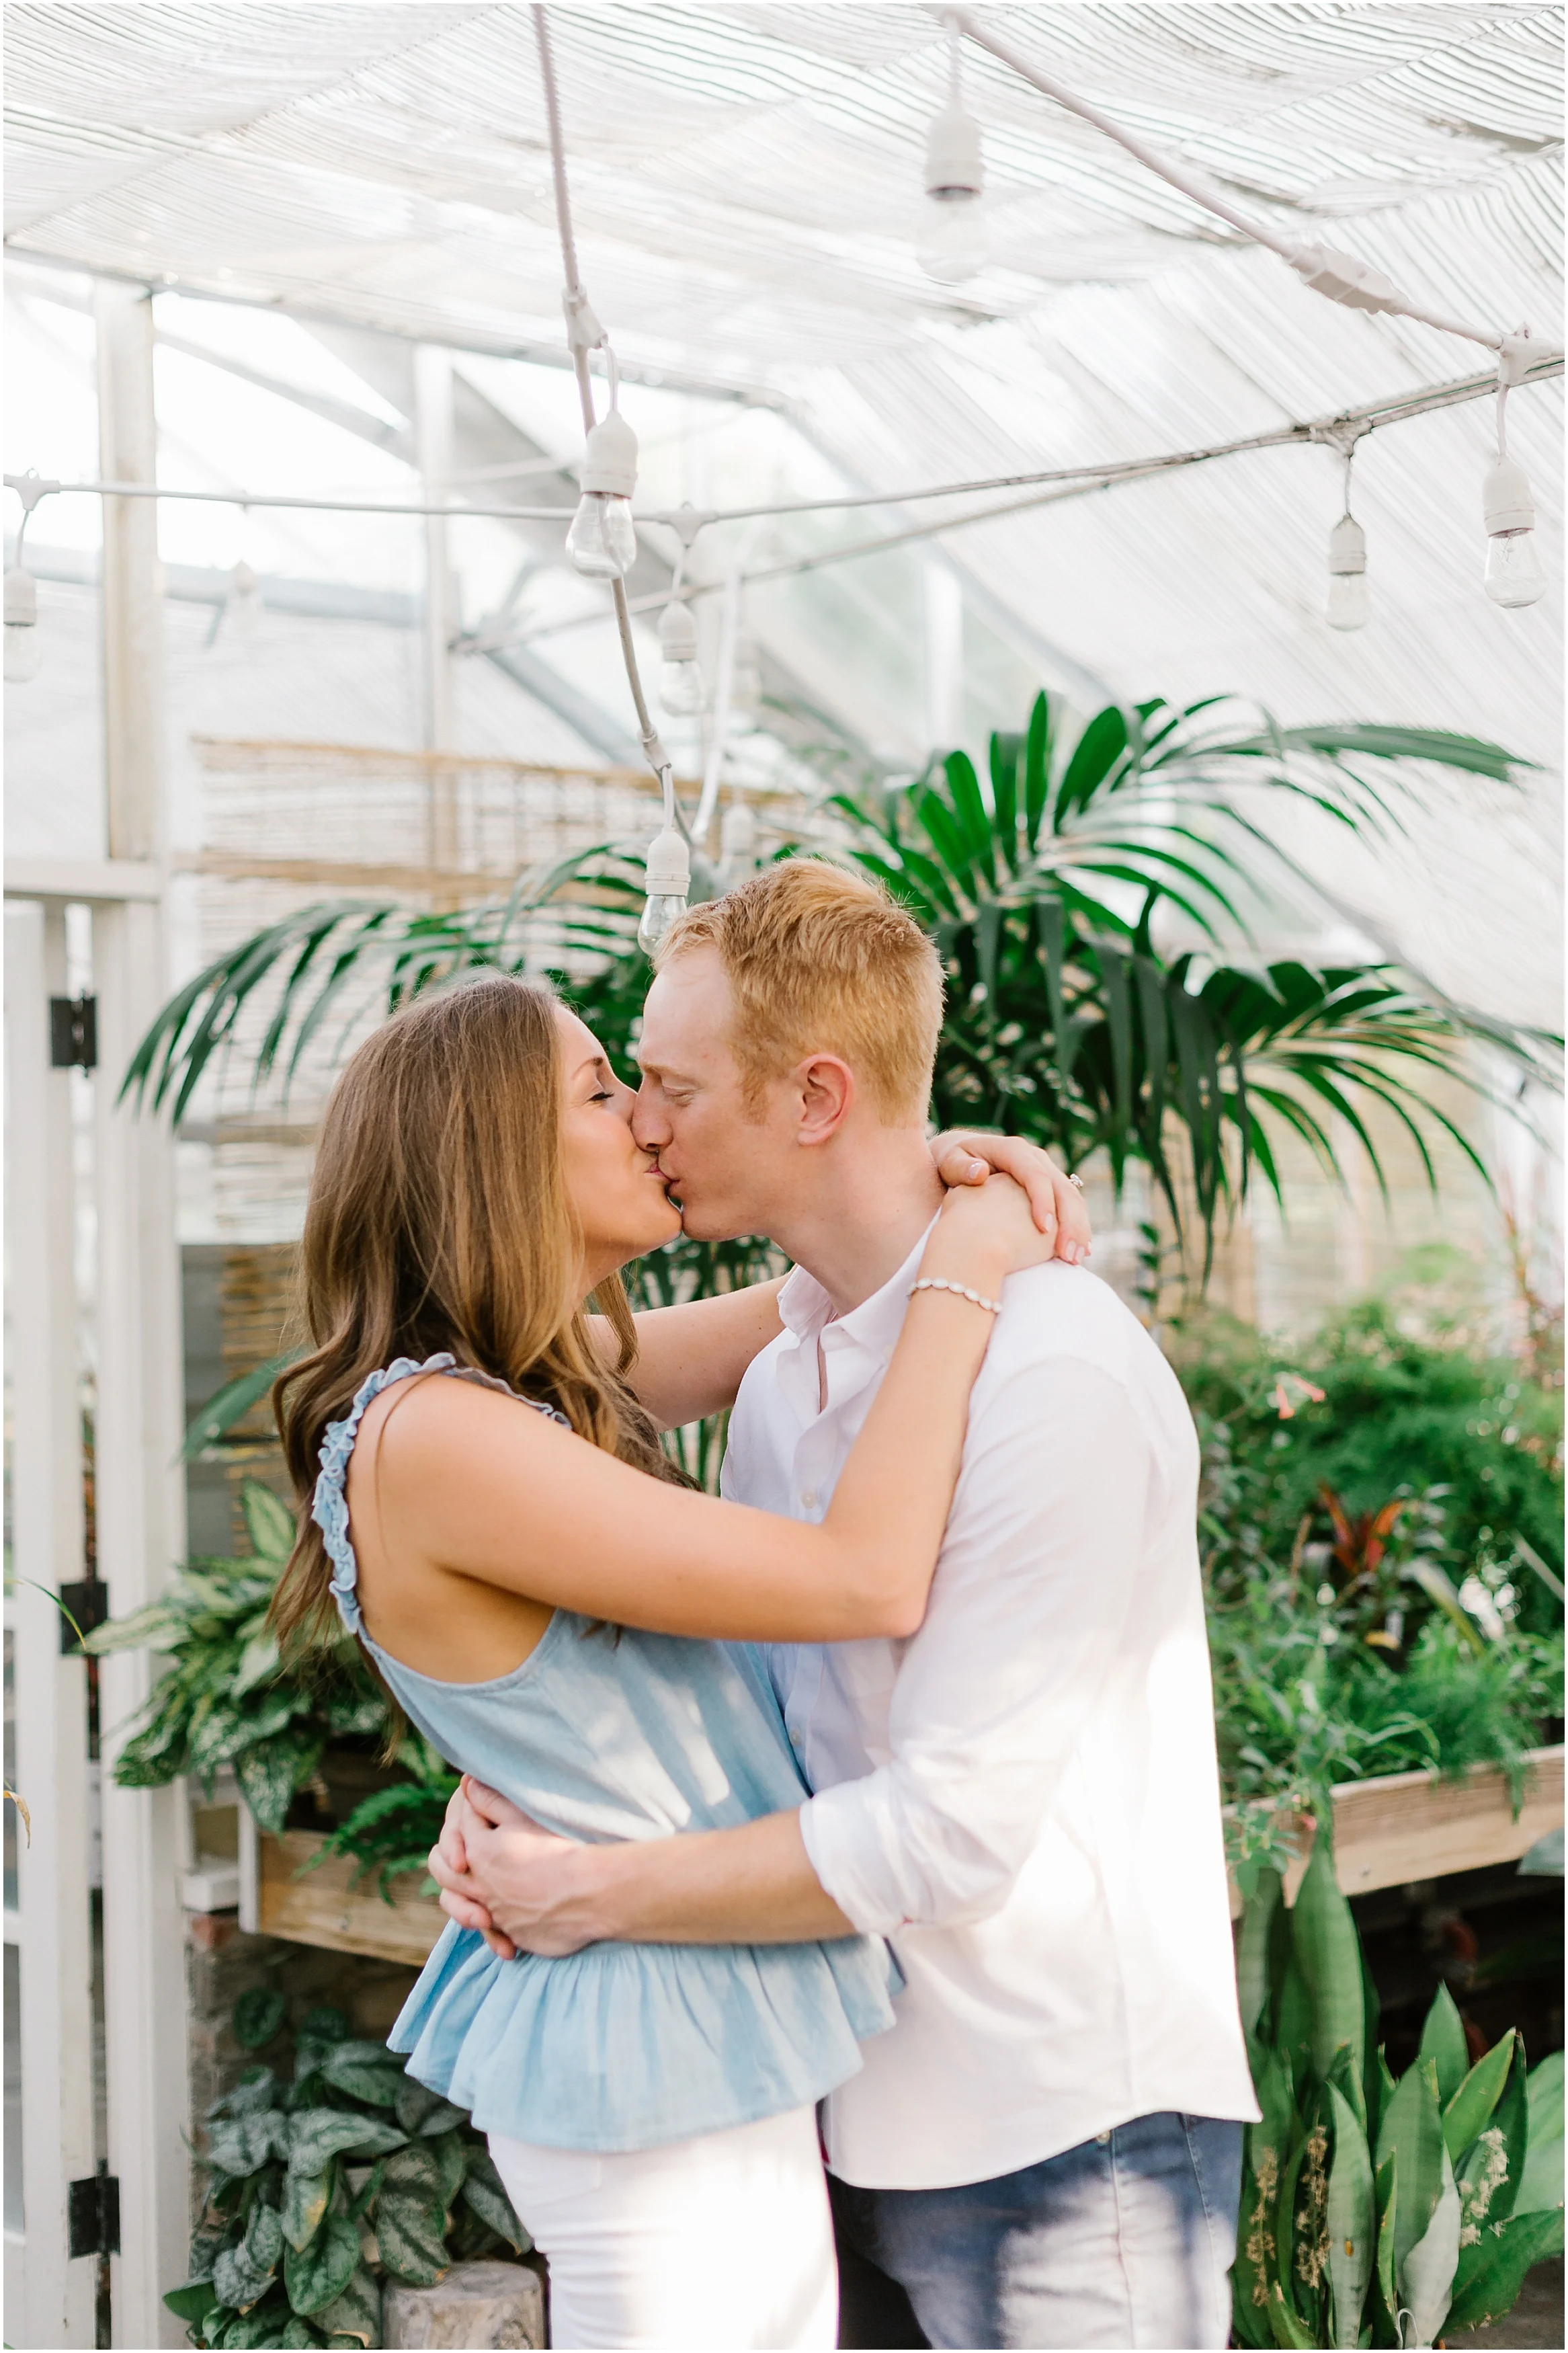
column 329, row 1506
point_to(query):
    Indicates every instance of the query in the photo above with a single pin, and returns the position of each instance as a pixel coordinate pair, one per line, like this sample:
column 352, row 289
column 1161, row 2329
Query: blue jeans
column 1126, row 2240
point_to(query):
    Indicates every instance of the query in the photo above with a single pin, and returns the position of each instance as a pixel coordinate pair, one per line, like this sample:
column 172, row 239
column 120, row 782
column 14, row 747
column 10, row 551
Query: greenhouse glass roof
column 746, row 181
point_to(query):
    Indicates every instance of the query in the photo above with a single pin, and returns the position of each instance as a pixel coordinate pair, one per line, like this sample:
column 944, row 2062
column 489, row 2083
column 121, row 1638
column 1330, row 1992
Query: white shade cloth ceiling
column 746, row 181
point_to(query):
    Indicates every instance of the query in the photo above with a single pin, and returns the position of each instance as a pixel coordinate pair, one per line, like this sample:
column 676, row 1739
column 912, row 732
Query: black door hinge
column 92, row 2214
column 73, row 1033
column 88, row 1604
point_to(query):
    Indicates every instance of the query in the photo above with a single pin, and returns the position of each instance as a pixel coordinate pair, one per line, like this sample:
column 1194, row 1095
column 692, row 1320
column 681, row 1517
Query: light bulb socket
column 21, row 598
column 1347, row 546
column 1506, row 498
column 677, row 633
column 953, row 166
column 668, row 866
column 610, row 463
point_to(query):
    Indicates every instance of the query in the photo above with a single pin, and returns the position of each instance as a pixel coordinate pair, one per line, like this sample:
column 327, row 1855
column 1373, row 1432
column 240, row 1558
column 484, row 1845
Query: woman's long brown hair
column 439, row 1220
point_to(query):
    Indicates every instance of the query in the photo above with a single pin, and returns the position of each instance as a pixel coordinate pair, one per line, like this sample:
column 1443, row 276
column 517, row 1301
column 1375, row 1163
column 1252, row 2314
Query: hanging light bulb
column 745, row 676
column 950, row 246
column 23, row 661
column 668, row 881
column 681, row 688
column 603, row 541
column 243, row 604
column 1515, row 575
column 737, row 845
column 1349, row 606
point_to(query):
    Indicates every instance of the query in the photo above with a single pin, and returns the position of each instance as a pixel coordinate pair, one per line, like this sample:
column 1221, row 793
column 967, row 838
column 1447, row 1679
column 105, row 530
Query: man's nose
column 650, row 1125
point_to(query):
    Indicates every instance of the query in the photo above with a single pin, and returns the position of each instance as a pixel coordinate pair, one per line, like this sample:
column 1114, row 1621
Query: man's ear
column 827, row 1096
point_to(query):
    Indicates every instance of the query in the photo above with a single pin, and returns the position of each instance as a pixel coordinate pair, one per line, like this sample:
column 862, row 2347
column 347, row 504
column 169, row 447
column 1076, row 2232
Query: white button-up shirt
column 1024, row 1797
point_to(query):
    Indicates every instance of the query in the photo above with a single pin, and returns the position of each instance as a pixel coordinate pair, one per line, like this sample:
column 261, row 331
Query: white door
column 49, row 2296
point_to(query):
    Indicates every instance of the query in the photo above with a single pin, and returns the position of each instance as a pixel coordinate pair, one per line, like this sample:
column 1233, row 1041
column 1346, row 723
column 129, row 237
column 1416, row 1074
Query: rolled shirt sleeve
column 1036, row 1576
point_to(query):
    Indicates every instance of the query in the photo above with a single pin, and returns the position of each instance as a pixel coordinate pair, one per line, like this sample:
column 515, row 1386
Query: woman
column 476, row 1181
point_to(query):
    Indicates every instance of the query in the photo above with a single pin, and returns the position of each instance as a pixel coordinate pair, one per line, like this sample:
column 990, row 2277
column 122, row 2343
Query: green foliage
column 259, row 2015
column 321, row 2188
column 1375, row 2212
column 1040, row 887
column 224, row 1697
column 1360, row 1623
column 1065, row 1024
column 392, row 1831
column 227, row 1699
column 321, row 958
column 1399, row 1410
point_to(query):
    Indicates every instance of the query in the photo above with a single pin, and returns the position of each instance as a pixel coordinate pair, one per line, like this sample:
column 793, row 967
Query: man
column 1022, row 1797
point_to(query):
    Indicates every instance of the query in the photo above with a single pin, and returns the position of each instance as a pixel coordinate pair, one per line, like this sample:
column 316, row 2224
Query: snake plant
column 1378, row 2211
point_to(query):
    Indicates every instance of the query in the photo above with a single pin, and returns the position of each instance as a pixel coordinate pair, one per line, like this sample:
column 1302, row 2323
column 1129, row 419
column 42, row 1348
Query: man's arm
column 751, row 1886
column 1036, row 1576
column 1034, row 1586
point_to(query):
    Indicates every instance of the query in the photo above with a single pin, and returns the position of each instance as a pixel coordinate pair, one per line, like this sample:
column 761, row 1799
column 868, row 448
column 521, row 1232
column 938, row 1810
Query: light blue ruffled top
column 602, row 1734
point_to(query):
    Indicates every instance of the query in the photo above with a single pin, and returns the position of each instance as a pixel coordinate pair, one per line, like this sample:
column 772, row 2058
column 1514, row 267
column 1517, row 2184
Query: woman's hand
column 985, row 1234
column 500, row 1872
column 963, row 1156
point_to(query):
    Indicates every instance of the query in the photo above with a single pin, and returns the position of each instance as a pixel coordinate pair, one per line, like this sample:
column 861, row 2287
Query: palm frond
column 1038, row 882
column 351, row 953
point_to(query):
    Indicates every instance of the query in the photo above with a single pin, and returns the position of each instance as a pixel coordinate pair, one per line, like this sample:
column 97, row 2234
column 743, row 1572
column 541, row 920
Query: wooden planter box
column 1409, row 1825
column 324, row 1907
column 1387, row 1832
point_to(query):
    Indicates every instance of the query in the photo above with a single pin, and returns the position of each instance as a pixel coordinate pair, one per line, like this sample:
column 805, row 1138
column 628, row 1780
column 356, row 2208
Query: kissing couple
column 881, row 1792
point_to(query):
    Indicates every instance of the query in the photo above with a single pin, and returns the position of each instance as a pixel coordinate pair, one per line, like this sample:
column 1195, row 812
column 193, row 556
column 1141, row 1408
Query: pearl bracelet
column 961, row 1290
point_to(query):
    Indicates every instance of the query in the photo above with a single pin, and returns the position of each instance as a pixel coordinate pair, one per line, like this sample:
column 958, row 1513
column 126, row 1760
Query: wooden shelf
column 1405, row 1827
column 324, row 1907
column 1408, row 1826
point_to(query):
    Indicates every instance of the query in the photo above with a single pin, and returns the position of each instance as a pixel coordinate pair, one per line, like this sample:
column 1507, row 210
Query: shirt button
column 794, row 1736
column 808, row 1501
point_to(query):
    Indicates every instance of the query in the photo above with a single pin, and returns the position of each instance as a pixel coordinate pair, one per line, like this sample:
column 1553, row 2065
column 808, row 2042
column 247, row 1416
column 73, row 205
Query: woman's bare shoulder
column 432, row 1422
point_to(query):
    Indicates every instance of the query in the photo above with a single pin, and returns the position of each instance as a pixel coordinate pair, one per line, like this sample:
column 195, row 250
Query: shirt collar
column 805, row 1309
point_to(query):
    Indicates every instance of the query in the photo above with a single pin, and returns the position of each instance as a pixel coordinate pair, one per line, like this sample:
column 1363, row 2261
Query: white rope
column 1091, row 475
column 1192, row 185
column 584, row 333
column 1068, row 482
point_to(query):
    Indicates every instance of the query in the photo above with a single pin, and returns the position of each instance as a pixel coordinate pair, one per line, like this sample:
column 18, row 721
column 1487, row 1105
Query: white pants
column 725, row 2241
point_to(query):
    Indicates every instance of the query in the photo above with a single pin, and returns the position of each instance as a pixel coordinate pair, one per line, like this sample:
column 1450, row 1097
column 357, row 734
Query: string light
column 603, row 541
column 1514, row 574
column 746, row 675
column 24, row 657
column 242, row 606
column 681, row 687
column 22, row 660
column 951, row 242
column 1349, row 606
column 737, row 846
column 669, row 879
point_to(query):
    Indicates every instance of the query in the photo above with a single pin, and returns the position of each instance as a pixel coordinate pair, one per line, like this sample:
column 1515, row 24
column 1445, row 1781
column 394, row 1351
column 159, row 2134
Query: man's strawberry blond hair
column 822, row 961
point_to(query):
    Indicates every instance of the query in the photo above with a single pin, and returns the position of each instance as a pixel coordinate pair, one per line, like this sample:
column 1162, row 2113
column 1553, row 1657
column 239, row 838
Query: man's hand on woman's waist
column 526, row 1889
